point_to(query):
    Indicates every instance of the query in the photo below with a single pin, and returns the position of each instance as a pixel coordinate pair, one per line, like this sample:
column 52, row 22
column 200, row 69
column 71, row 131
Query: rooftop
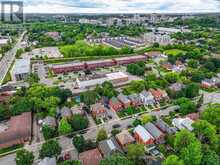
column 142, row 132
column 90, row 157
column 21, row 66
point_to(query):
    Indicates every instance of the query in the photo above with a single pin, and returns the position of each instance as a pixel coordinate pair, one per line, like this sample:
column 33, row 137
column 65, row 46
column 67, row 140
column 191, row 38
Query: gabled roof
column 146, row 93
column 90, row 157
column 153, row 130
column 143, row 133
column 124, row 99
column 125, row 137
column 66, row 112
column 109, row 146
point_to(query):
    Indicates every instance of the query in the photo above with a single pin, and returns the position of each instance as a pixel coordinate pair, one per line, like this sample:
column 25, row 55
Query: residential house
column 155, row 132
column 90, row 157
column 164, row 127
column 183, row 123
column 207, row 83
column 143, row 136
column 147, row 98
column 167, row 66
column 109, row 147
column 18, row 131
column 66, row 112
column 115, row 104
column 135, row 100
column 77, row 111
column 98, row 110
column 50, row 121
column 124, row 100
column 159, row 94
column 124, row 138
column 193, row 116
column 176, row 87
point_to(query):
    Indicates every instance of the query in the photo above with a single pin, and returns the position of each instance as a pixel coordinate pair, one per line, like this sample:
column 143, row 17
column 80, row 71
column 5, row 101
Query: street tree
column 48, row 132
column 24, row 157
column 173, row 160
column 102, row 135
column 135, row 152
column 64, row 127
column 50, row 149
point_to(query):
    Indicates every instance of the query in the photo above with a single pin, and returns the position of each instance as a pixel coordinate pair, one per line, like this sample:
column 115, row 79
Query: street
column 8, row 58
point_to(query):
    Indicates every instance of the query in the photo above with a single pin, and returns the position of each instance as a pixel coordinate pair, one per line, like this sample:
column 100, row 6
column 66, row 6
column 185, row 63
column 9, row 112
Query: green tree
column 205, row 132
column 173, row 160
column 79, row 142
column 78, row 122
column 50, row 149
column 102, row 135
column 192, row 90
column 23, row 105
column 193, row 63
column 212, row 114
column 24, row 157
column 116, row 160
column 4, row 113
column 33, row 78
column 172, row 77
column 146, row 118
column 71, row 162
column 48, row 132
column 210, row 157
column 64, row 127
column 186, row 106
column 135, row 152
column 192, row 154
column 89, row 97
column 183, row 139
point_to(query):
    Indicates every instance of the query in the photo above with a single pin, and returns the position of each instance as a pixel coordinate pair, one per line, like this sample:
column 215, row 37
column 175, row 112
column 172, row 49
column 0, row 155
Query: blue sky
column 120, row 6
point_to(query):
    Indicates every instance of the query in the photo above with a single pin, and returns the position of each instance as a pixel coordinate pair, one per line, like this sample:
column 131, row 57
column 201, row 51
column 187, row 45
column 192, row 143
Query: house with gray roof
column 164, row 127
column 109, row 147
column 124, row 100
column 176, row 87
column 155, row 132
column 147, row 98
column 66, row 112
column 50, row 121
column 135, row 100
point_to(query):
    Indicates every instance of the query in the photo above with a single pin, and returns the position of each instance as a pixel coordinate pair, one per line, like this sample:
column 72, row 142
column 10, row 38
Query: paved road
column 90, row 134
column 8, row 58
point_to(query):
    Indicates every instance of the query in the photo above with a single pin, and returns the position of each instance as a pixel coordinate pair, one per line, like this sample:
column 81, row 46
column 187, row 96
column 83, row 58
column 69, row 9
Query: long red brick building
column 74, row 67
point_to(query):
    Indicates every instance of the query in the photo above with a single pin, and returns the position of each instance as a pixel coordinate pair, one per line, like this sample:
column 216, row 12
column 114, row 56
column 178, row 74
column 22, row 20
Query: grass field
column 174, row 52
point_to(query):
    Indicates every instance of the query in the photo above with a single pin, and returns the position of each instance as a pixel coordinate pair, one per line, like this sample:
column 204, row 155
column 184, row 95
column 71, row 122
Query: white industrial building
column 21, row 69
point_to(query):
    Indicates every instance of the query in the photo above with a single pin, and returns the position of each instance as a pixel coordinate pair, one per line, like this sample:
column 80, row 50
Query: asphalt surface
column 8, row 58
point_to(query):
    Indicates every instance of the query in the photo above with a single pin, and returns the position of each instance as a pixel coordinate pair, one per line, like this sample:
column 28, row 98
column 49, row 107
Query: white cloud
column 120, row 6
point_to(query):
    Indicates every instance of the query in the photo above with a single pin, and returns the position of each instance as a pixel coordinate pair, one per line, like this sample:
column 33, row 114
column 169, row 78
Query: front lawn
column 130, row 111
column 174, row 52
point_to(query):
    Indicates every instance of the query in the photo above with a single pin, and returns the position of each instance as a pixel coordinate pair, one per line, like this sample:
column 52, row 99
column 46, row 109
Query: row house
column 207, row 83
column 147, row 98
column 98, row 110
column 155, row 132
column 142, row 136
column 159, row 94
column 164, row 127
column 124, row 100
column 135, row 100
column 115, row 104
column 124, row 138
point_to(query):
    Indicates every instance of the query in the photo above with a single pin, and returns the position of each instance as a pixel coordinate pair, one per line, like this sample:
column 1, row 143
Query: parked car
column 116, row 126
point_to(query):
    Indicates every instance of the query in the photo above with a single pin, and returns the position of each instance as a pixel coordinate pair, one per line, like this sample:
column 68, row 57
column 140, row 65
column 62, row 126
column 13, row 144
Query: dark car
column 116, row 126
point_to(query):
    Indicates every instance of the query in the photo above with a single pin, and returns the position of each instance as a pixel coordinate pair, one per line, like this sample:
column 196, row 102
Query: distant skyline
column 121, row 6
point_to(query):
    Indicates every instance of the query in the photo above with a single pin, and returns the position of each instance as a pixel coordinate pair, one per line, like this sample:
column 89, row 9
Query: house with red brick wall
column 135, row 100
column 142, row 136
column 155, row 132
column 115, row 104
column 124, row 100
column 124, row 138
column 99, row 64
column 159, row 94
column 98, row 110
